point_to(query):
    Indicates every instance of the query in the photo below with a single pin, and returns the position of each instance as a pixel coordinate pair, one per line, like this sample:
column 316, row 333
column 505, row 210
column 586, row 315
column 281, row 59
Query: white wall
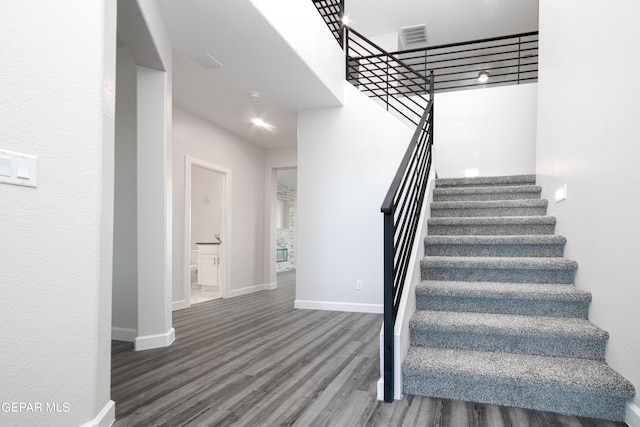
column 206, row 205
column 198, row 138
column 492, row 130
column 125, row 267
column 346, row 160
column 309, row 36
column 58, row 101
column 588, row 139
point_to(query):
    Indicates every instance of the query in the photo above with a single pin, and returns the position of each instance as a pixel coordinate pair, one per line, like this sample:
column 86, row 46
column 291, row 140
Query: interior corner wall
column 58, row 101
column 125, row 266
column 492, row 130
column 588, row 131
column 347, row 157
column 203, row 140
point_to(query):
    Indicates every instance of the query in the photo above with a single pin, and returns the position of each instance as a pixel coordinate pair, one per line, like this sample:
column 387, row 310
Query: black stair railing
column 385, row 77
column 332, row 12
column 401, row 208
column 508, row 60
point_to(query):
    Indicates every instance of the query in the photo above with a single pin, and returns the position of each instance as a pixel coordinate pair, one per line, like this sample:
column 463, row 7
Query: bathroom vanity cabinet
column 208, row 263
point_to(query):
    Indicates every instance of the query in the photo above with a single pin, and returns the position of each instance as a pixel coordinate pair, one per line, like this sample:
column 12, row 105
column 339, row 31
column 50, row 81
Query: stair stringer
column 401, row 338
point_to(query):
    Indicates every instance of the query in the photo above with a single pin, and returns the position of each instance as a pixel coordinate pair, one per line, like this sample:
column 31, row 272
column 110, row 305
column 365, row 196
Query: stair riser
column 484, row 196
column 483, row 212
column 577, row 347
column 490, row 230
column 498, row 275
column 516, row 394
column 578, row 309
column 495, row 250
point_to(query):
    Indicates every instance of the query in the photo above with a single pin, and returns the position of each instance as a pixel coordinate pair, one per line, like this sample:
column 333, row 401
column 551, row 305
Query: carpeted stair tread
column 491, row 225
column 571, row 386
column 501, row 245
column 500, row 263
column 496, row 240
column 486, row 193
column 489, row 208
column 494, row 220
column 486, row 181
column 525, row 291
column 499, row 269
column 542, row 335
column 507, row 298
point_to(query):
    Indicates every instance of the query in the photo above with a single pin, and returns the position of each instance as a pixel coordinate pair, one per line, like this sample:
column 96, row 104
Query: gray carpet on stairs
column 498, row 317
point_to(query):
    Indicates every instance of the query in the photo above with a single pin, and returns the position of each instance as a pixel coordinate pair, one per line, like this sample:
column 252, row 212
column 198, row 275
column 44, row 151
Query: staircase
column 498, row 317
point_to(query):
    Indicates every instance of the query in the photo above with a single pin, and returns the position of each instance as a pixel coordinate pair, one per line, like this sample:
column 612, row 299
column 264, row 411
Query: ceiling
column 253, row 55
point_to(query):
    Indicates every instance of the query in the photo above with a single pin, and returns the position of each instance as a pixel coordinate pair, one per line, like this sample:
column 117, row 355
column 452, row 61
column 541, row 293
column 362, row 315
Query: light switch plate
column 561, row 193
column 18, row 169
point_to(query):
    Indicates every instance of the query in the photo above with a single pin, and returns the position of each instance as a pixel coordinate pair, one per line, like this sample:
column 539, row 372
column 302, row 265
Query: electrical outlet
column 359, row 285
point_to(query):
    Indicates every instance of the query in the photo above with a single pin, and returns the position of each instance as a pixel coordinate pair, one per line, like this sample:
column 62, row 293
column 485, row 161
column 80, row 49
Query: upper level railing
column 385, row 77
column 332, row 12
column 506, row 60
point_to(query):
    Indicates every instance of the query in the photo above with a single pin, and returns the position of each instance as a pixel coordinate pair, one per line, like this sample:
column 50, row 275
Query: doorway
column 207, row 213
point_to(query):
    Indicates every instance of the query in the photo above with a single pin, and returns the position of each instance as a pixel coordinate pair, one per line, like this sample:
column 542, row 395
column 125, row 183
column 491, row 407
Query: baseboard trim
column 149, row 342
column 180, row 305
column 633, row 415
column 123, row 334
column 380, row 388
column 105, row 418
column 251, row 289
column 338, row 306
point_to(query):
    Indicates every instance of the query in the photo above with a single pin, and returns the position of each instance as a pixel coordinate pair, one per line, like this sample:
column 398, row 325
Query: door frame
column 225, row 235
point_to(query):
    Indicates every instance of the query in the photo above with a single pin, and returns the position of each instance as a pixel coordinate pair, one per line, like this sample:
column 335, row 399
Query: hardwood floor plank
column 254, row 361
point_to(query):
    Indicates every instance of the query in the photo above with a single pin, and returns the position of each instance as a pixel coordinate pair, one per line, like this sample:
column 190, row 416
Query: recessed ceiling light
column 261, row 123
column 345, row 20
column 483, row 76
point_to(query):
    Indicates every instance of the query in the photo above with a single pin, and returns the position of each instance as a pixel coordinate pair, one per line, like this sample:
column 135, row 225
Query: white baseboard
column 123, row 334
column 380, row 388
column 338, row 306
column 633, row 415
column 105, row 418
column 251, row 289
column 179, row 305
column 149, row 342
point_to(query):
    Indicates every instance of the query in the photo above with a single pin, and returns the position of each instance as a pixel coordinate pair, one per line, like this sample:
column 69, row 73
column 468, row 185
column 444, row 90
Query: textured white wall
column 491, row 129
column 58, row 101
column 200, row 139
column 588, row 139
column 125, row 266
column 346, row 159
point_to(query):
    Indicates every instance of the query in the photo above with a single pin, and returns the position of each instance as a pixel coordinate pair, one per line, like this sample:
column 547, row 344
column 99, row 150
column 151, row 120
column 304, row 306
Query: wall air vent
column 413, row 36
column 207, row 61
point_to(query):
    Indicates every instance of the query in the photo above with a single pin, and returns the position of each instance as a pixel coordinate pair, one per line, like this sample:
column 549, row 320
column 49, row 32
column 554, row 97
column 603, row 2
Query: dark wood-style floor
column 255, row 361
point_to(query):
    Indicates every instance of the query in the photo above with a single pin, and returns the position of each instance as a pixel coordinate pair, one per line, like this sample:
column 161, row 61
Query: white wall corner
column 105, row 418
column 123, row 334
column 338, row 306
column 270, row 286
column 149, row 342
column 633, row 415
